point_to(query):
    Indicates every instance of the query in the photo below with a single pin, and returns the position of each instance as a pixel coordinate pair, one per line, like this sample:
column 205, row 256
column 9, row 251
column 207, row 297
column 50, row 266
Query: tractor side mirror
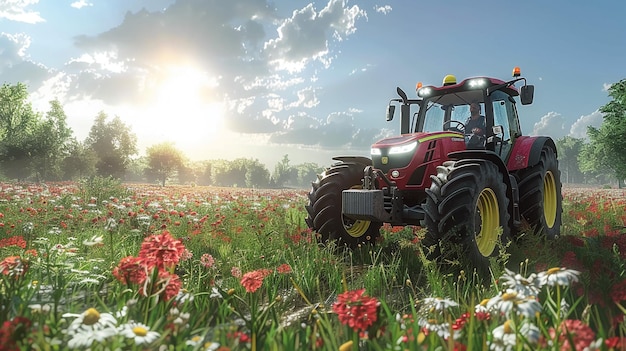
column 391, row 109
column 526, row 94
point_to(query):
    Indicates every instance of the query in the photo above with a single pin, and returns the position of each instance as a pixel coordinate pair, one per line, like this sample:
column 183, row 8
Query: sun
column 183, row 110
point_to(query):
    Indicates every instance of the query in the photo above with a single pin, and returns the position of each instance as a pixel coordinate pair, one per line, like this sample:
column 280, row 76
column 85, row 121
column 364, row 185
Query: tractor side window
column 500, row 118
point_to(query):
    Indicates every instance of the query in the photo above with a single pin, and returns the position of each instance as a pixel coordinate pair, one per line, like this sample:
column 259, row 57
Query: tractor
column 477, row 192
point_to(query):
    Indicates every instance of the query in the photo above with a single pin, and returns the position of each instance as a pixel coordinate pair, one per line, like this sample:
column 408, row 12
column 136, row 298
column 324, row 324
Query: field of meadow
column 101, row 265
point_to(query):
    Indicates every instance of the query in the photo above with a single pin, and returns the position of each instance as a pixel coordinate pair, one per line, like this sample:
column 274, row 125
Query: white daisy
column 438, row 304
column 558, row 276
column 504, row 338
column 526, row 286
column 91, row 318
column 140, row 333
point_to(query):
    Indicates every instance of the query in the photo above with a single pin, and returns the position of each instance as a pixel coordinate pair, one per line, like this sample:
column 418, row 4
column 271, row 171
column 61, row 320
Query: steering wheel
column 458, row 124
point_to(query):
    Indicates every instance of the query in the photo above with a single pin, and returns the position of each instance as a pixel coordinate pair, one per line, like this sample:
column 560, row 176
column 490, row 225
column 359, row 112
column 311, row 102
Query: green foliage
column 113, row 143
column 99, row 188
column 568, row 150
column 164, row 160
column 607, row 143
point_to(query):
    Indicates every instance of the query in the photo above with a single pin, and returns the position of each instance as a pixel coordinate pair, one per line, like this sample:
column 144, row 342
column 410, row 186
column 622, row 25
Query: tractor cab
column 448, row 108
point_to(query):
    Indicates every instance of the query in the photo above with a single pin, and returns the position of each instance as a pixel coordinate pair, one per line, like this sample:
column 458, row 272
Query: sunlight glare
column 183, row 111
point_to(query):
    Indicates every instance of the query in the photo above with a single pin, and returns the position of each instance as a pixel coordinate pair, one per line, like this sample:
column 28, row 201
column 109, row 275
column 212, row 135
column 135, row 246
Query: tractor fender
column 354, row 159
column 495, row 159
column 527, row 151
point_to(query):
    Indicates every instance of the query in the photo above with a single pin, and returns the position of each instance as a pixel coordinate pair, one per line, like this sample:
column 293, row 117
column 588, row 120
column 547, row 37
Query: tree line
column 42, row 147
column 602, row 158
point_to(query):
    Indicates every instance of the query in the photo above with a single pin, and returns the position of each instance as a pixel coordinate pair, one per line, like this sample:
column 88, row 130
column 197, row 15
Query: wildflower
column 235, row 272
column 433, row 326
column 618, row 291
column 356, row 310
column 13, row 266
column 504, row 337
column 17, row 240
column 90, row 326
column 438, row 304
column 161, row 250
column 94, row 241
column 284, row 269
column 131, row 270
column 187, row 255
column 525, row 286
column 512, row 301
column 252, row 280
column 11, row 331
column 140, row 333
column 573, row 330
column 207, row 260
column 558, row 276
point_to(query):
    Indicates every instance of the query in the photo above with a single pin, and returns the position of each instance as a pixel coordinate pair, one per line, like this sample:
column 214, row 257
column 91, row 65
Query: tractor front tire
column 467, row 211
column 541, row 200
column 324, row 209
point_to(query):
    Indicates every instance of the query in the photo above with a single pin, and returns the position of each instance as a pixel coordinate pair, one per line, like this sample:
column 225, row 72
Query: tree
column 163, row 161
column 607, row 143
column 114, row 144
column 50, row 143
column 17, row 123
column 569, row 148
column 284, row 173
column 307, row 173
column 80, row 161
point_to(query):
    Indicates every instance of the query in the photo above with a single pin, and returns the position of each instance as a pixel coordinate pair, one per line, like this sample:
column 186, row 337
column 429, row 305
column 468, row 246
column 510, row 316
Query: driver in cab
column 475, row 122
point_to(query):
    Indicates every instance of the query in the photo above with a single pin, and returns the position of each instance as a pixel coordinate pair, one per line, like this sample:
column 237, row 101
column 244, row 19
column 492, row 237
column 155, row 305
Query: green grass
column 61, row 245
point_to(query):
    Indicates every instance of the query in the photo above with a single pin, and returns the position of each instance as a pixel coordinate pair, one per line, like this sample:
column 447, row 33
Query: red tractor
column 464, row 185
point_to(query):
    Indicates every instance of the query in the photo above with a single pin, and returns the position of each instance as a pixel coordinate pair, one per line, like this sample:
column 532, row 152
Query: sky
column 260, row 79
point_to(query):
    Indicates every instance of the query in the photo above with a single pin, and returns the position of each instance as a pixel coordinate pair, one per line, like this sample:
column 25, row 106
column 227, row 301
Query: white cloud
column 606, row 86
column 304, row 36
column 383, row 9
column 80, row 4
column 552, row 125
column 579, row 128
column 16, row 10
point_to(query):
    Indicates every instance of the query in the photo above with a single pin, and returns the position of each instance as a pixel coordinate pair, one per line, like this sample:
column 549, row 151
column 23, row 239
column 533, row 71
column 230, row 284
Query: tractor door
column 505, row 124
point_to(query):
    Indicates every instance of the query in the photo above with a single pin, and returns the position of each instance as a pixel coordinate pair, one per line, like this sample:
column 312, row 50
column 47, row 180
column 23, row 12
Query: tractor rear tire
column 467, row 207
column 324, row 209
column 541, row 200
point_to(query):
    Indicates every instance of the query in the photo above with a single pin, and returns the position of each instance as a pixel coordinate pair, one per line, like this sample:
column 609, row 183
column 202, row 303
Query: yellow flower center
column 140, row 331
column 553, row 270
column 347, row 346
column 92, row 316
column 507, row 327
column 509, row 296
column 484, row 302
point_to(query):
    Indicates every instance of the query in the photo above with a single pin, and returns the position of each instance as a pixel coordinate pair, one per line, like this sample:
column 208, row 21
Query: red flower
column 13, row 266
column 252, row 280
column 161, row 250
column 13, row 241
column 284, row 269
column 616, row 343
column 618, row 291
column 574, row 330
column 356, row 310
column 131, row 270
column 170, row 284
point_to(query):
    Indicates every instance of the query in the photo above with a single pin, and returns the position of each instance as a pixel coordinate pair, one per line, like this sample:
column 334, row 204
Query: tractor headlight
column 425, row 91
column 402, row 149
column 375, row 151
column 477, row 83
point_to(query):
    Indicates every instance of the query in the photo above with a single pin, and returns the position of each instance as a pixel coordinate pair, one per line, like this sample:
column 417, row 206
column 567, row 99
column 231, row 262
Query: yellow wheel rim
column 549, row 199
column 356, row 228
column 489, row 212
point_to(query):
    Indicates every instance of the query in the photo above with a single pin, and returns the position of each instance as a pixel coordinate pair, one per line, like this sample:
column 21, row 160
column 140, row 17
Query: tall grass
column 101, row 266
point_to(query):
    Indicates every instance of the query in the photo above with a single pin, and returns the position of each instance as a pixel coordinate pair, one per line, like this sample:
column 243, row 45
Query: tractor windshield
column 440, row 117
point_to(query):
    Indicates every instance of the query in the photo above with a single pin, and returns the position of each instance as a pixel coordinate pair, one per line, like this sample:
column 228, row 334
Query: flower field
column 107, row 266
